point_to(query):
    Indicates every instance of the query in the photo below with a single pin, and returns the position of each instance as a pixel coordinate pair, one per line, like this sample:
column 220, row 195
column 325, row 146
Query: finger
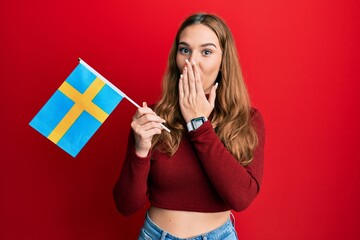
column 149, row 118
column 212, row 96
column 181, row 88
column 148, row 130
column 151, row 125
column 198, row 84
column 185, row 82
column 146, row 123
column 142, row 111
column 191, row 78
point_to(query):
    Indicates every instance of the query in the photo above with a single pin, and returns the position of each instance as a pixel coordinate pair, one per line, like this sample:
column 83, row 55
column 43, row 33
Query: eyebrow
column 202, row 45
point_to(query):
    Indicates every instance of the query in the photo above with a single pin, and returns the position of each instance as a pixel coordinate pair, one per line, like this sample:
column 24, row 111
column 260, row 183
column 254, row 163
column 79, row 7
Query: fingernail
column 144, row 104
column 181, row 76
column 216, row 85
column 193, row 63
column 186, row 60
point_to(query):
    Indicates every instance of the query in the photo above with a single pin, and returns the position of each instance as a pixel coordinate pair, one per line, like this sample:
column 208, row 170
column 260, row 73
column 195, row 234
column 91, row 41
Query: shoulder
column 257, row 121
column 255, row 114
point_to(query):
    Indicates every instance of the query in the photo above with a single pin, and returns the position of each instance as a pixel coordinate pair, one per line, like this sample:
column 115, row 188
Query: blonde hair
column 231, row 116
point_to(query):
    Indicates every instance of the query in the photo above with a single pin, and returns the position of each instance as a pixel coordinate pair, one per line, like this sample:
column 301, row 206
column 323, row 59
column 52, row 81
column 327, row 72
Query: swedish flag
column 77, row 109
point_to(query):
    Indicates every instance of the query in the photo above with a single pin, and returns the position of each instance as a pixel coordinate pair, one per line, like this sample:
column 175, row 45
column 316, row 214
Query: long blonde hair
column 231, row 116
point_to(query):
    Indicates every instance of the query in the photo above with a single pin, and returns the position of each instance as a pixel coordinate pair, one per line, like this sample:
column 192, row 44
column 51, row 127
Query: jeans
column 151, row 231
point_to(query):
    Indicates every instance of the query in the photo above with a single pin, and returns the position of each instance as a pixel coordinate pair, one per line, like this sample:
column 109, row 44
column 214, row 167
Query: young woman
column 212, row 160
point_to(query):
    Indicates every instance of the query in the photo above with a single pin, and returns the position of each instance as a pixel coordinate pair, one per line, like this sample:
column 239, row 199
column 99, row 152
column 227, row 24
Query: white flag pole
column 113, row 87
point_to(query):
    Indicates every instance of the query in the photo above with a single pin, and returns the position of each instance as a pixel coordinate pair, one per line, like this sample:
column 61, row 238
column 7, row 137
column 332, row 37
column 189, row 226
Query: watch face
column 197, row 122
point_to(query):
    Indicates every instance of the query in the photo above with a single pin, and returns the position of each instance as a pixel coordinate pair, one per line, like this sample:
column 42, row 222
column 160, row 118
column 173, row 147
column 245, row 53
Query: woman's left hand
column 192, row 99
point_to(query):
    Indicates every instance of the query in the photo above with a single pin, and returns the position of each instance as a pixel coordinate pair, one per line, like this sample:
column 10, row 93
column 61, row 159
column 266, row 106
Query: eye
column 207, row 52
column 184, row 50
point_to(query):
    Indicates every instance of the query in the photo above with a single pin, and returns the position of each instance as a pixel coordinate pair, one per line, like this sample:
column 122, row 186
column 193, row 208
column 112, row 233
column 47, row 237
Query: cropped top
column 201, row 176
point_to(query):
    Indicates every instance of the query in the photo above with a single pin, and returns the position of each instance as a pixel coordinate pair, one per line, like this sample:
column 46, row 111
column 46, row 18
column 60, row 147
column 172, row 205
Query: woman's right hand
column 145, row 125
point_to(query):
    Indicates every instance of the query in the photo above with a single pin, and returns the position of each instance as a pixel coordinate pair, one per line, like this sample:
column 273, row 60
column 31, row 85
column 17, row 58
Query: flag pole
column 114, row 87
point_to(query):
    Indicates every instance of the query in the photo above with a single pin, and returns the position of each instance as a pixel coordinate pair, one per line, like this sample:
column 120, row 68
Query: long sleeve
column 237, row 185
column 130, row 190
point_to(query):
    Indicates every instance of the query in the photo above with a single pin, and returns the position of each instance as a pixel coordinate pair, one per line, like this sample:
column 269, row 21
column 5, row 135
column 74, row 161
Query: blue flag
column 77, row 109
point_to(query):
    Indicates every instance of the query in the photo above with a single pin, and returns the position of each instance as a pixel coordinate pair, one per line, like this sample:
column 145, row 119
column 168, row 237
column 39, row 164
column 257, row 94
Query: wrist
column 143, row 153
column 195, row 123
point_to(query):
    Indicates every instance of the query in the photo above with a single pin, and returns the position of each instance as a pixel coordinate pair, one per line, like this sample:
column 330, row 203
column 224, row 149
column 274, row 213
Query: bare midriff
column 185, row 224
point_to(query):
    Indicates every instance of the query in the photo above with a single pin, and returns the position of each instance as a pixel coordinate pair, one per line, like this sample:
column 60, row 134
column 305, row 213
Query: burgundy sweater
column 201, row 176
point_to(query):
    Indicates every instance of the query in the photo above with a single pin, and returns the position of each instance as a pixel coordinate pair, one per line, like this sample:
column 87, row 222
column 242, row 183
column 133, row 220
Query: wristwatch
column 195, row 123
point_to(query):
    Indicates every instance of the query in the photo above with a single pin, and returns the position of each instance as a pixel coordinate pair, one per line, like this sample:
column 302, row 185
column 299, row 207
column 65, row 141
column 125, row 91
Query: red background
column 299, row 58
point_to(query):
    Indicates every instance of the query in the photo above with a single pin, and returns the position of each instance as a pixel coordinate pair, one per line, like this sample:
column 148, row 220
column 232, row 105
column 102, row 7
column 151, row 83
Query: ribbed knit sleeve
column 130, row 190
column 237, row 185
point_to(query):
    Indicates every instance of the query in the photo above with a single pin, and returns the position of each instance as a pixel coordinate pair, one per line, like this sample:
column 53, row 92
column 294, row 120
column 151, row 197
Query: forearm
column 237, row 185
column 130, row 190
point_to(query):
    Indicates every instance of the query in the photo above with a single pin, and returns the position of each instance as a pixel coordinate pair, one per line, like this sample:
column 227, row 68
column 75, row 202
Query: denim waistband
column 152, row 231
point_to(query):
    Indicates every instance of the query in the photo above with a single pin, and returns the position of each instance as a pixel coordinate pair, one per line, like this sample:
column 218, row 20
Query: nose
column 194, row 58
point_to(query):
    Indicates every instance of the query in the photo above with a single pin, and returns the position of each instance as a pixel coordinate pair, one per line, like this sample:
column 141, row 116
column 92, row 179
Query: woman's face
column 199, row 44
